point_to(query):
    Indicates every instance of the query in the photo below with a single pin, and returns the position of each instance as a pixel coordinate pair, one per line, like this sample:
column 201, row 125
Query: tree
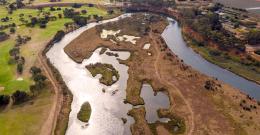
column 20, row 97
column 60, row 15
column 69, row 13
column 14, row 52
column 34, row 21
column 3, row 2
column 52, row 9
column 98, row 18
column 39, row 77
column 4, row 100
column 58, row 36
column 84, row 11
column 110, row 11
column 19, row 3
column 257, row 52
column 76, row 5
column 253, row 37
column 12, row 30
column 3, row 36
column 20, row 68
column 35, row 70
column 80, row 20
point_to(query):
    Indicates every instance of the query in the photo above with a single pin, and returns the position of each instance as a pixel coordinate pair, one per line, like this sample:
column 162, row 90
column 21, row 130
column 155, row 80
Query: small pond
column 153, row 102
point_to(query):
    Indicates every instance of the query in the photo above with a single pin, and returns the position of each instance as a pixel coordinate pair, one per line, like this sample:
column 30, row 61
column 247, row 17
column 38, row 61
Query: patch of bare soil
column 222, row 110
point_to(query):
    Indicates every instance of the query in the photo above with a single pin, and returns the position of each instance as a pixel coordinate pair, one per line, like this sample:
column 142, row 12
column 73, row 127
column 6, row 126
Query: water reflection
column 173, row 38
column 107, row 109
column 153, row 103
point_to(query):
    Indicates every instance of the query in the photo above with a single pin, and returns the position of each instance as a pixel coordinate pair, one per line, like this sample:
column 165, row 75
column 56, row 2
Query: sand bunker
column 19, row 79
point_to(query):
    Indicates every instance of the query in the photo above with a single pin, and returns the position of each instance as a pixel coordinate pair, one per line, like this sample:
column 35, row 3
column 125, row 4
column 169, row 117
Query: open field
column 76, row 1
column 30, row 50
column 204, row 111
column 8, row 77
column 28, row 118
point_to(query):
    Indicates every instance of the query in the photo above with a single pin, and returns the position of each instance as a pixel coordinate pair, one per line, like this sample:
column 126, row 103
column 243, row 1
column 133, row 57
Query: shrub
column 90, row 5
column 4, row 100
column 80, row 20
column 69, row 13
column 12, row 30
column 110, row 11
column 85, row 112
column 76, row 5
column 42, row 25
column 3, row 36
column 215, row 52
column 52, row 9
column 257, row 52
column 34, row 21
column 19, row 68
column 60, row 15
column 35, row 70
column 58, row 36
column 39, row 77
column 20, row 97
column 253, row 37
column 83, row 11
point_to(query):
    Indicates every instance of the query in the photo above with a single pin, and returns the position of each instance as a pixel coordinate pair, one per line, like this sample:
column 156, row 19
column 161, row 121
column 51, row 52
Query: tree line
column 19, row 96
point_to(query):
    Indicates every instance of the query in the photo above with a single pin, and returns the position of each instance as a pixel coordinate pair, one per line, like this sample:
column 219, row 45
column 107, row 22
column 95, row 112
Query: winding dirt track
column 50, row 123
column 162, row 80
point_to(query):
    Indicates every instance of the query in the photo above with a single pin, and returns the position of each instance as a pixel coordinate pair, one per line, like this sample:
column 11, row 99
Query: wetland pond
column 154, row 102
column 108, row 107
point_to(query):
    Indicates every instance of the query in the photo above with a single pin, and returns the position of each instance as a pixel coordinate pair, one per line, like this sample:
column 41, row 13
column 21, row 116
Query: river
column 108, row 108
column 250, row 5
column 173, row 38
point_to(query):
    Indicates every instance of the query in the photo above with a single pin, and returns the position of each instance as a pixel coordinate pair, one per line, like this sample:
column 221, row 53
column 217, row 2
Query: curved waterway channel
column 173, row 38
column 107, row 107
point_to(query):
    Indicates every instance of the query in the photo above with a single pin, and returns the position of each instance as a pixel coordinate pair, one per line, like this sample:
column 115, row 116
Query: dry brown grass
column 212, row 112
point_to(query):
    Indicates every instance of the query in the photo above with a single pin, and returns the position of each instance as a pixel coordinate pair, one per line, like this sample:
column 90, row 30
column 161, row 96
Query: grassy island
column 109, row 74
column 85, row 112
column 189, row 99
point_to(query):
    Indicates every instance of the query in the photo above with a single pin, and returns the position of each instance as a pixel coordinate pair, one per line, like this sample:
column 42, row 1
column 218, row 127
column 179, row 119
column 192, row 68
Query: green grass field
column 28, row 118
column 8, row 77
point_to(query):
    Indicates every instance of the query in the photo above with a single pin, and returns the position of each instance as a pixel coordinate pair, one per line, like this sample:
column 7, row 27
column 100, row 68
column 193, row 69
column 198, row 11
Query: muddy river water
column 108, row 108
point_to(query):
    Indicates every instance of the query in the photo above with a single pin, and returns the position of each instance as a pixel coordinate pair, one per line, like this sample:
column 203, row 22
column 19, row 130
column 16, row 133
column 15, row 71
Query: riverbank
column 10, row 81
column 189, row 98
column 229, row 61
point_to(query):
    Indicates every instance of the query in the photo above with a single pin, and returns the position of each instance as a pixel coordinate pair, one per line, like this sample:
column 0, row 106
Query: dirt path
column 161, row 79
column 50, row 123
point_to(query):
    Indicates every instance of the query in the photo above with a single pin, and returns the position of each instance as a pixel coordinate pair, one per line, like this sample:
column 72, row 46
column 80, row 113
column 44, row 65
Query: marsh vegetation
column 109, row 74
column 85, row 112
